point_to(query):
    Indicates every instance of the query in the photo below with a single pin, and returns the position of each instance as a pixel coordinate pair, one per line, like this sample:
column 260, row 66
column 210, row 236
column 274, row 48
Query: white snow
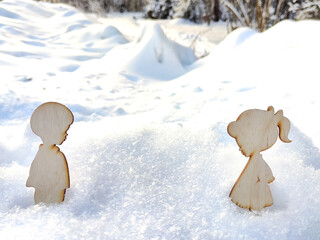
column 148, row 153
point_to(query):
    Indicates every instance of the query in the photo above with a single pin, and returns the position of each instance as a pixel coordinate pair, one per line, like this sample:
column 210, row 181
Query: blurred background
column 260, row 14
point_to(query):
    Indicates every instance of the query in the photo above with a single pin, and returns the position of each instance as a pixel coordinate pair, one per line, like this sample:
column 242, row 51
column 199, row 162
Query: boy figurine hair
column 49, row 173
column 255, row 131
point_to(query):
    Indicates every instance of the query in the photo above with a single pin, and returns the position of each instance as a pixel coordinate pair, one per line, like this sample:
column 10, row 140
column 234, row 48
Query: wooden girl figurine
column 255, row 131
column 49, row 173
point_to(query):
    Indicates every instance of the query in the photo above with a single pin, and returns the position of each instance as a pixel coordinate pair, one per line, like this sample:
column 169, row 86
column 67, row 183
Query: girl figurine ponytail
column 284, row 126
column 255, row 131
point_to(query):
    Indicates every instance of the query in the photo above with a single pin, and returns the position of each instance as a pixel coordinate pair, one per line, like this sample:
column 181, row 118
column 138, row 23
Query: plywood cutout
column 49, row 173
column 255, row 131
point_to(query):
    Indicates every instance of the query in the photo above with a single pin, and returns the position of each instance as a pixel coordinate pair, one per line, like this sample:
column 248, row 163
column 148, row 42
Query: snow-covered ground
column 148, row 153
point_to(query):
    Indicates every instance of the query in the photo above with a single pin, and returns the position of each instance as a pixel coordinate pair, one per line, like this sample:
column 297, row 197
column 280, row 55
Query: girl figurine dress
column 49, row 173
column 255, row 131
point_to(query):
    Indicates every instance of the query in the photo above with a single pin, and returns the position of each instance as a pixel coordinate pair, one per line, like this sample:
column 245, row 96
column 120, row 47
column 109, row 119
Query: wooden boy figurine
column 49, row 173
column 255, row 131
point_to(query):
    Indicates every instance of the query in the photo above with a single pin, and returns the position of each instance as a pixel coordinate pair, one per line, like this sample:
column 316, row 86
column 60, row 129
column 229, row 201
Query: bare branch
column 278, row 11
column 235, row 12
column 244, row 12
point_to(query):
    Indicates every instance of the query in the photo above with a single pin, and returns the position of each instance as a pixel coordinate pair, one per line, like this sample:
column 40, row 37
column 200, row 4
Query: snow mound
column 21, row 8
column 236, row 38
column 9, row 14
column 153, row 55
column 110, row 32
column 92, row 36
column 112, row 35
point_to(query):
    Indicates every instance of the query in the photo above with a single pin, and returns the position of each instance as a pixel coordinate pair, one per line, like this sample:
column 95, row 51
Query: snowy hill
column 148, row 153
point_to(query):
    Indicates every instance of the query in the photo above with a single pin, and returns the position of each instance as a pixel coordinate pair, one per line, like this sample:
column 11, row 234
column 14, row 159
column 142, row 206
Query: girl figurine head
column 50, row 121
column 257, row 130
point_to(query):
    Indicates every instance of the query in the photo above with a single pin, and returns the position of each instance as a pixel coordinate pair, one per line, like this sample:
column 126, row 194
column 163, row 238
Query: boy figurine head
column 50, row 121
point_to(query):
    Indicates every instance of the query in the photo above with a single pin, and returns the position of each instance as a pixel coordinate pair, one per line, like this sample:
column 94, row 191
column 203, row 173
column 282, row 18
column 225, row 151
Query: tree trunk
column 216, row 10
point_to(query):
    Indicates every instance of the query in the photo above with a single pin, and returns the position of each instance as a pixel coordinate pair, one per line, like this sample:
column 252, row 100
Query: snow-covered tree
column 305, row 9
column 258, row 14
column 161, row 9
column 108, row 5
column 193, row 10
column 262, row 14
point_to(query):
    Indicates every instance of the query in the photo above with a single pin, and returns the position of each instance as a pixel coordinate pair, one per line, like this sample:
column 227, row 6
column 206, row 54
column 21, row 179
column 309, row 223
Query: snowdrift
column 152, row 159
column 285, row 54
column 152, row 55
